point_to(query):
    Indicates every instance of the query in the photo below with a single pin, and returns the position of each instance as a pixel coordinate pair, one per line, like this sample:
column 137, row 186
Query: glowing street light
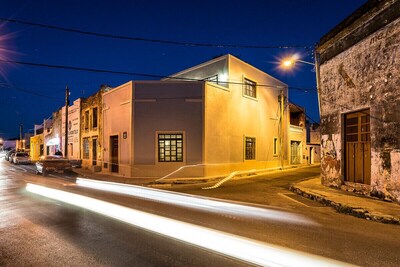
column 289, row 62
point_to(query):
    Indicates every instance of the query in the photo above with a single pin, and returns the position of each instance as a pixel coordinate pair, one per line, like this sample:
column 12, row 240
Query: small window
column 170, row 147
column 250, row 88
column 94, row 118
column 86, row 148
column 275, row 146
column 250, row 148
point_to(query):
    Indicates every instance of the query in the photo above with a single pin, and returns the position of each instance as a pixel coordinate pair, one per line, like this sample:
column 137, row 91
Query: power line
column 303, row 89
column 135, row 74
column 141, row 39
column 28, row 91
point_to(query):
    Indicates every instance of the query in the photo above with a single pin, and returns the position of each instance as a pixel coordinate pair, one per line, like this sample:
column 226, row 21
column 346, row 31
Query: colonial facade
column 91, row 130
column 74, row 124
column 212, row 119
column 360, row 101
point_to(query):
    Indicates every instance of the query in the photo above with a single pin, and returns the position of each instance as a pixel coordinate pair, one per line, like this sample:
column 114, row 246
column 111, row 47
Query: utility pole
column 66, row 122
column 281, row 100
column 317, row 77
column 20, row 132
column 44, row 143
column 20, row 137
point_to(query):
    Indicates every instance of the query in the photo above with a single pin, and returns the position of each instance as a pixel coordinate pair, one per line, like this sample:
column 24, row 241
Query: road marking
column 294, row 200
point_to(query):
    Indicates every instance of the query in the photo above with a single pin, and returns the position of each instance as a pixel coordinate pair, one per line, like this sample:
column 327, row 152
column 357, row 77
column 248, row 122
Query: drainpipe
column 281, row 132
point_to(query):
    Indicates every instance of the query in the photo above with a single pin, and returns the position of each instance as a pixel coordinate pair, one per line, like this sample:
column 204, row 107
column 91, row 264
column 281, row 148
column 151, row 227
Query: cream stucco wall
column 74, row 115
column 117, row 119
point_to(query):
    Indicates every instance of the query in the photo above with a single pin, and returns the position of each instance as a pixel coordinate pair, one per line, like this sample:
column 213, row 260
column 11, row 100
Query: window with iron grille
column 170, row 147
column 250, row 148
column 250, row 88
column 86, row 148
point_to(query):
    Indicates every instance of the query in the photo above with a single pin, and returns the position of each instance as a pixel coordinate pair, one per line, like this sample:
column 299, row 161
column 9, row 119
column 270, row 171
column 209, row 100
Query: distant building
column 74, row 140
column 36, row 147
column 297, row 135
column 360, row 101
column 10, row 143
column 313, row 143
column 212, row 119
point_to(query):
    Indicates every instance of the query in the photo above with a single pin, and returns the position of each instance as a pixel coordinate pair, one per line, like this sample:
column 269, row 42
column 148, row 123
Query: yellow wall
column 230, row 116
column 36, row 142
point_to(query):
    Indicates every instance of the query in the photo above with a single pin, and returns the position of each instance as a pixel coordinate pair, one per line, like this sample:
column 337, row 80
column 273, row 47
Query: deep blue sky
column 29, row 94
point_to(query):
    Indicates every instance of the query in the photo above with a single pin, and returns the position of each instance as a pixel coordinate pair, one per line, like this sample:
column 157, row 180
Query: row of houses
column 212, row 119
column 226, row 115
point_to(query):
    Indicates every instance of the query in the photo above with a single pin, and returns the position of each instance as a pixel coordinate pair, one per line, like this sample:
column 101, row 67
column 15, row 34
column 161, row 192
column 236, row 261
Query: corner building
column 209, row 120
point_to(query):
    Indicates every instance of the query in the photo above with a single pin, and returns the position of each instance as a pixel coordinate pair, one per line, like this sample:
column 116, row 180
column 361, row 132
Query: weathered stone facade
column 359, row 70
column 91, row 130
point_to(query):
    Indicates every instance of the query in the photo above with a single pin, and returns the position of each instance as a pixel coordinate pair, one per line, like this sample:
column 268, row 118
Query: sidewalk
column 345, row 202
column 350, row 203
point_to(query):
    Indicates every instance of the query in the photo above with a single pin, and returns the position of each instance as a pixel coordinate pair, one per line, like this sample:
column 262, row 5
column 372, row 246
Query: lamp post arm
column 305, row 62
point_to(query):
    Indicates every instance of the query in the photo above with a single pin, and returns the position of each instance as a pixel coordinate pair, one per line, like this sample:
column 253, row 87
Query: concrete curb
column 359, row 212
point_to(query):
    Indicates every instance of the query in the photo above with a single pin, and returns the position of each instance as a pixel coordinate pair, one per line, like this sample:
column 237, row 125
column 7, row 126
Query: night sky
column 29, row 94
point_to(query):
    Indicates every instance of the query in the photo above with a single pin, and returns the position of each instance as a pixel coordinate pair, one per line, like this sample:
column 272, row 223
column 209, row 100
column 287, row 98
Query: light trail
column 234, row 246
column 206, row 204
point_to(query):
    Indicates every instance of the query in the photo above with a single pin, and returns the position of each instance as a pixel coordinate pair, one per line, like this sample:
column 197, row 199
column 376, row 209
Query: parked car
column 10, row 158
column 21, row 158
column 76, row 163
column 8, row 154
column 48, row 164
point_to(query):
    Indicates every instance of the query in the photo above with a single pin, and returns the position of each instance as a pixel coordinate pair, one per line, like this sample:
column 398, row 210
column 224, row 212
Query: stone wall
column 366, row 75
column 87, row 104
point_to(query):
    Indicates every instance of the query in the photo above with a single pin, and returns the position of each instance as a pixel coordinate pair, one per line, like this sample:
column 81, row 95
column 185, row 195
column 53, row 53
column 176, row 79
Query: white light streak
column 238, row 247
column 195, row 202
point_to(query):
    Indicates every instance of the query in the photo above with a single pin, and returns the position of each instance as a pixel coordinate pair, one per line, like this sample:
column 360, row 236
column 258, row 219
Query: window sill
column 250, row 97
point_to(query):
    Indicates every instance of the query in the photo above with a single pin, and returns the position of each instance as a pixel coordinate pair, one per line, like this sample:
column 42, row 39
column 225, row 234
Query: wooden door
column 94, row 152
column 114, row 153
column 295, row 152
column 358, row 147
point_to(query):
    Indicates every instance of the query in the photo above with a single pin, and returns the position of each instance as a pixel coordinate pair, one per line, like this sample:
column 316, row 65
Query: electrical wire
column 2, row 85
column 170, row 42
column 276, row 87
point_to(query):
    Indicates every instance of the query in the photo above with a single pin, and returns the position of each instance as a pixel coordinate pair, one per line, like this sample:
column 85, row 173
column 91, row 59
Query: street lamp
column 289, row 62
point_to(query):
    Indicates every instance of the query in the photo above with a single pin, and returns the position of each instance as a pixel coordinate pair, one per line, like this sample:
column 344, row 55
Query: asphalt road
column 37, row 231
